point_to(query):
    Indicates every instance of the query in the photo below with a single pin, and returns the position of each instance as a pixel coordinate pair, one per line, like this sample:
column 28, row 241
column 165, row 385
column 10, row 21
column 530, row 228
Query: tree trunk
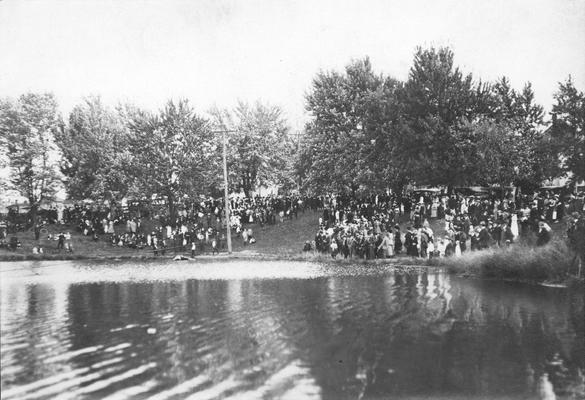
column 33, row 214
column 172, row 209
column 399, row 189
column 247, row 184
column 112, row 208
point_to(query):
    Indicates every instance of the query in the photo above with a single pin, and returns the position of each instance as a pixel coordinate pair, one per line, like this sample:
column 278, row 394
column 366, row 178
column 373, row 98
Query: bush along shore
column 552, row 264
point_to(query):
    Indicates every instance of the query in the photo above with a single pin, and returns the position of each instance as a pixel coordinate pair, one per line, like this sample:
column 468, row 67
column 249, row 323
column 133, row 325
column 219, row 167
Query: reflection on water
column 385, row 335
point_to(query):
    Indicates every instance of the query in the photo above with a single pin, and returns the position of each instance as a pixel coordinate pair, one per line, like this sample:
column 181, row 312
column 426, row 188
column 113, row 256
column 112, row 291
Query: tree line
column 104, row 153
column 367, row 131
column 439, row 127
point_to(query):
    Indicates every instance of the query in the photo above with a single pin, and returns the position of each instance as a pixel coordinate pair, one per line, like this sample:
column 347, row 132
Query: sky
column 216, row 52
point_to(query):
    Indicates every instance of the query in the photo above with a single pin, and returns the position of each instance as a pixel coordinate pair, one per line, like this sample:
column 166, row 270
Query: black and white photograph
column 292, row 199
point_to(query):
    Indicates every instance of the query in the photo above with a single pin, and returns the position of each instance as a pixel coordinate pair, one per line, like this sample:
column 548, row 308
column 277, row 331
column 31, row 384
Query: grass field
column 285, row 238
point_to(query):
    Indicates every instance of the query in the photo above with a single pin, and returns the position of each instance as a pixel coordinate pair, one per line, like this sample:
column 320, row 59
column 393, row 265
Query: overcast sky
column 215, row 52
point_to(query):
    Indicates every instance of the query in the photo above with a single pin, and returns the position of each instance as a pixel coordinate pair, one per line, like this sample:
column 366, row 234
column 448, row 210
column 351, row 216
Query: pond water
column 246, row 330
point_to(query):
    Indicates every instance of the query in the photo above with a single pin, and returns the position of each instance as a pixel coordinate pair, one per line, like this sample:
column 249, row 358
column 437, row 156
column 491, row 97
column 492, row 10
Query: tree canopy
column 439, row 127
column 568, row 128
column 96, row 148
column 175, row 152
column 367, row 131
column 27, row 129
column 260, row 147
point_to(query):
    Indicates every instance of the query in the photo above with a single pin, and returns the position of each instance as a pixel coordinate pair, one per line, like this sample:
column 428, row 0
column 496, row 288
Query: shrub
column 520, row 262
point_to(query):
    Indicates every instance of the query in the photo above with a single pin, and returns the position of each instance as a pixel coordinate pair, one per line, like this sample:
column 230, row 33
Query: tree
column 27, row 129
column 349, row 138
column 260, row 147
column 440, row 127
column 492, row 153
column 437, row 99
column 96, row 151
column 533, row 164
column 523, row 121
column 504, row 97
column 436, row 87
column 176, row 154
column 568, row 129
column 506, row 146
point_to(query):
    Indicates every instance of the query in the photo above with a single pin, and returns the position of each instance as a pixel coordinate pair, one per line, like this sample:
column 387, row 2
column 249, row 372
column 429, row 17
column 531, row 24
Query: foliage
column 510, row 141
column 487, row 144
column 435, row 87
column 437, row 99
column 175, row 154
column 550, row 263
column 368, row 132
column 346, row 145
column 260, row 147
column 568, row 129
column 440, row 127
column 27, row 129
column 96, row 152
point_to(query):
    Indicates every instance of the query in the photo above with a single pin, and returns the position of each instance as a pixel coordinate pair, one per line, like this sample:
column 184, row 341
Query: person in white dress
column 514, row 226
column 457, row 249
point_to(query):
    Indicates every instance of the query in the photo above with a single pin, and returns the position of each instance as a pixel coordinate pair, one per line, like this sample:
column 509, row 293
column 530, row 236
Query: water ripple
column 286, row 330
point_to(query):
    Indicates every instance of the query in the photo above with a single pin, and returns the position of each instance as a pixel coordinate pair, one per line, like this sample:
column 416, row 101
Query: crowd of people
column 369, row 227
column 422, row 224
column 198, row 226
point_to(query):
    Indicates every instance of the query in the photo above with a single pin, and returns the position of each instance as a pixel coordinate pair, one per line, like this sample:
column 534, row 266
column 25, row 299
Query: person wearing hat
column 384, row 245
column 544, row 234
column 483, row 236
column 333, row 248
column 397, row 240
column 410, row 241
column 496, row 232
column 424, row 239
column 449, row 247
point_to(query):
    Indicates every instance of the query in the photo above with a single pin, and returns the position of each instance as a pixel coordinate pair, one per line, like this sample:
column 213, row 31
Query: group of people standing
column 369, row 227
column 198, row 226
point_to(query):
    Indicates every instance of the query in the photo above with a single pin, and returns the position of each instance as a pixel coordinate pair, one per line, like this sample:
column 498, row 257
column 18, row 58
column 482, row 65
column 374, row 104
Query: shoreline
column 522, row 262
column 237, row 255
column 449, row 265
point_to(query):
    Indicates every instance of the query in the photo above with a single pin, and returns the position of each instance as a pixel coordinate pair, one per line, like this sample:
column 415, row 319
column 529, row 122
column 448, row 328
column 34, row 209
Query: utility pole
column 226, row 190
column 297, row 136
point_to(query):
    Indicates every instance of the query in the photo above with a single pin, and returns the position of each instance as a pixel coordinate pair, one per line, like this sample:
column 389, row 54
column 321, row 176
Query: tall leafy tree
column 438, row 128
column 260, row 145
column 568, row 129
column 350, row 134
column 504, row 106
column 527, row 125
column 436, row 87
column 96, row 148
column 176, row 154
column 437, row 98
column 27, row 129
column 491, row 150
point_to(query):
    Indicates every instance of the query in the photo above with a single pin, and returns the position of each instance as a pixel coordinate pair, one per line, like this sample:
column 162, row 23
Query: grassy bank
column 281, row 240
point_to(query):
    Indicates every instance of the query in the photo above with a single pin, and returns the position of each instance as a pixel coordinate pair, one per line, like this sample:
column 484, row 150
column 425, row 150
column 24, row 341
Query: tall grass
column 550, row 263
